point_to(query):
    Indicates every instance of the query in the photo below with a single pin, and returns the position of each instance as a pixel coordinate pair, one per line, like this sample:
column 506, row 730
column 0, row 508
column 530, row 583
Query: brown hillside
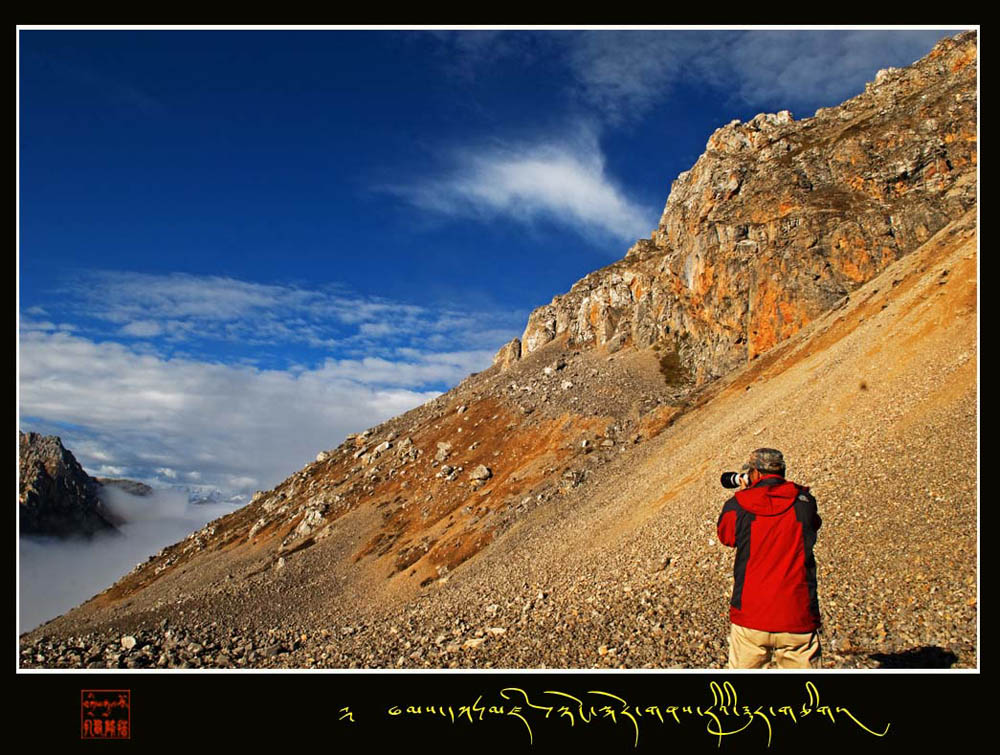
column 603, row 554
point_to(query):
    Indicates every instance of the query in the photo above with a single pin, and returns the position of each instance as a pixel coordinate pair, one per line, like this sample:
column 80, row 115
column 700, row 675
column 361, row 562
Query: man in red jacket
column 774, row 610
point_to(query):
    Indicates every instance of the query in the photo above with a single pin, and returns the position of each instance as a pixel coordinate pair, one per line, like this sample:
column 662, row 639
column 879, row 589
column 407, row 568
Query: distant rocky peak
column 132, row 487
column 56, row 496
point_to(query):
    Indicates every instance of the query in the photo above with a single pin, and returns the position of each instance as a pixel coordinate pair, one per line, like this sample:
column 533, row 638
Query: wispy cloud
column 625, row 73
column 618, row 77
column 562, row 180
column 125, row 297
column 142, row 329
column 185, row 310
column 810, row 68
column 621, row 74
column 467, row 53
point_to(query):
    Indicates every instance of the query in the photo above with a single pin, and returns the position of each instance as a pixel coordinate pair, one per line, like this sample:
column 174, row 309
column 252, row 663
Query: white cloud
column 625, row 73
column 376, row 329
column 560, row 179
column 419, row 369
column 28, row 325
column 233, row 426
column 142, row 328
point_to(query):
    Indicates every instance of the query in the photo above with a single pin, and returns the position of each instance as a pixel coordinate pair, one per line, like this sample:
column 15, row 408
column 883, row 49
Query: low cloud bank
column 57, row 575
column 188, row 422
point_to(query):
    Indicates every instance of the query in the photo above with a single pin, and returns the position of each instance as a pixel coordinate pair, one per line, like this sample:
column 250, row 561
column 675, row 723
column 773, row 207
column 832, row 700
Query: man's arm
column 726, row 526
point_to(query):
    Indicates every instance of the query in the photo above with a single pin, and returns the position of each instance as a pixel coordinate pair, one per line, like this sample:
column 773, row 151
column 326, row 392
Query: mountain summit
column 810, row 287
column 56, row 497
column 779, row 219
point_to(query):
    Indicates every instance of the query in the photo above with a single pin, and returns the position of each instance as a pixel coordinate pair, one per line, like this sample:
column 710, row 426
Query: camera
column 735, row 479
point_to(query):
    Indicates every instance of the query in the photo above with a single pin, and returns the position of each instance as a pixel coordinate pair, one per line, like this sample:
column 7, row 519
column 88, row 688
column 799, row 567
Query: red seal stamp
column 105, row 714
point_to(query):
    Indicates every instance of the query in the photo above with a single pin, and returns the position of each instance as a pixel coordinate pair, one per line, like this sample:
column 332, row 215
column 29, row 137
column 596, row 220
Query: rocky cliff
column 779, row 219
column 56, row 496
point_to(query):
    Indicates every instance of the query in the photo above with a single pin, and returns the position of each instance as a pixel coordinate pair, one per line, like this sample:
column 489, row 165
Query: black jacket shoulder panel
column 731, row 505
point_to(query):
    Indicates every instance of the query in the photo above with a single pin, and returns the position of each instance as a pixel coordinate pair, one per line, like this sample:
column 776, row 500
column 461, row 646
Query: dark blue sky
column 261, row 155
column 240, row 245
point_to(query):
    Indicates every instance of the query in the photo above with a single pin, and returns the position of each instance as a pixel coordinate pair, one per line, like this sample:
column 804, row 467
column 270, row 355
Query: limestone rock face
column 56, row 496
column 779, row 219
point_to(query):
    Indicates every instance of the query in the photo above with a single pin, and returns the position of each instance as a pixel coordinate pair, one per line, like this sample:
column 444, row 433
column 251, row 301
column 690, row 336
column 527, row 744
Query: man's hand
column 750, row 479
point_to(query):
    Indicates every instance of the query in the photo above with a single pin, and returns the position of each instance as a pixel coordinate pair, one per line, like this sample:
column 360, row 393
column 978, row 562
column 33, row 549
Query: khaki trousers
column 752, row 648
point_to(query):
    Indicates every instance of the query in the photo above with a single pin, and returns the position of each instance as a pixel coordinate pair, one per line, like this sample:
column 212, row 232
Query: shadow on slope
column 929, row 656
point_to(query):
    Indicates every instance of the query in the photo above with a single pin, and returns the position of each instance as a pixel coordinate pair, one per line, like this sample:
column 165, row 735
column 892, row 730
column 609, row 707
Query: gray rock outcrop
column 56, row 496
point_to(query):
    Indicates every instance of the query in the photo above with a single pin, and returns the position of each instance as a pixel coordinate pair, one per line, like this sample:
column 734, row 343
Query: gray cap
column 767, row 460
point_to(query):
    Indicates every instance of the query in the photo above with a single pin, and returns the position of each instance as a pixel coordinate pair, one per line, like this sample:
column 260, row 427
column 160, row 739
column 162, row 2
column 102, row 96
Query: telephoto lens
column 733, row 479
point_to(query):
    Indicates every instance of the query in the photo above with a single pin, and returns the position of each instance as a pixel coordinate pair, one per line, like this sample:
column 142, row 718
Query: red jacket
column 773, row 527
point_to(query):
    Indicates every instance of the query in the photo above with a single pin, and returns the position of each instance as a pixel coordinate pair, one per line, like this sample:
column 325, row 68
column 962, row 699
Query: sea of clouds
column 57, row 575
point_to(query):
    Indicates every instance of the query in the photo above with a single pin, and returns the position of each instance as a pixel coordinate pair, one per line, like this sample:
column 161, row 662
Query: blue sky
column 238, row 246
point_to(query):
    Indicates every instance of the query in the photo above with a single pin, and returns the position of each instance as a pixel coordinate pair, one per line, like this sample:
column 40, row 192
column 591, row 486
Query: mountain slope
column 559, row 508
column 875, row 406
